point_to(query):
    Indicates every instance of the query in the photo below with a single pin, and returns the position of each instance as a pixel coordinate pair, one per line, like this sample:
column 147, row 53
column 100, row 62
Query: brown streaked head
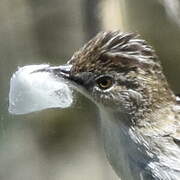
column 119, row 71
column 113, row 51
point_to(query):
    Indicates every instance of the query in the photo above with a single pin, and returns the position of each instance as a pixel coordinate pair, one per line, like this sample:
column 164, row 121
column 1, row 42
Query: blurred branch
column 91, row 17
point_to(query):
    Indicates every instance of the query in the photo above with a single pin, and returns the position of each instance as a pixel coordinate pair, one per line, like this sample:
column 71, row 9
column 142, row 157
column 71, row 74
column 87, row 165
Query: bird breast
column 131, row 156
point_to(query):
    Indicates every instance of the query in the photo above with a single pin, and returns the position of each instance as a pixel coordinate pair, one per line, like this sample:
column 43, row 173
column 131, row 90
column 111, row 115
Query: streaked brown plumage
column 140, row 115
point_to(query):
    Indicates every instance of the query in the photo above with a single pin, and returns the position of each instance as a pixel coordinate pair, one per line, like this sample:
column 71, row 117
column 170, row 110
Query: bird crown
column 113, row 51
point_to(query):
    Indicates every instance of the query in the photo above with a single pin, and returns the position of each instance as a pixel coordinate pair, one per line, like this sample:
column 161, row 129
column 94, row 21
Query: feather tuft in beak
column 37, row 87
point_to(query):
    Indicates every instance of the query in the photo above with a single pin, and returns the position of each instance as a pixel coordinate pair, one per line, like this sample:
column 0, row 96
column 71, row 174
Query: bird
column 139, row 113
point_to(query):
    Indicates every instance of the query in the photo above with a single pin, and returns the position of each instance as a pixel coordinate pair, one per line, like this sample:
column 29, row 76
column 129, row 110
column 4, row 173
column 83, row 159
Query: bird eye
column 104, row 82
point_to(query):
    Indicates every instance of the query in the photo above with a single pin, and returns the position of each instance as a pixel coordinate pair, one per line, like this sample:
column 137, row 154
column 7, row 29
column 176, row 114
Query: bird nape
column 140, row 117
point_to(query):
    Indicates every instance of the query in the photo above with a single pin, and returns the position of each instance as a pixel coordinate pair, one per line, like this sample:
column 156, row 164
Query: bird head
column 121, row 74
column 118, row 71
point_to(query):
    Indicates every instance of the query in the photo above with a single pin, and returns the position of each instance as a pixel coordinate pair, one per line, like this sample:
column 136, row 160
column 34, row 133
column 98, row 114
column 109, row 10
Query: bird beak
column 64, row 71
column 58, row 71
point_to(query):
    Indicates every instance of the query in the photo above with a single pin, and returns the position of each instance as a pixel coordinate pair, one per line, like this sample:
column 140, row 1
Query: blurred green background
column 65, row 144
